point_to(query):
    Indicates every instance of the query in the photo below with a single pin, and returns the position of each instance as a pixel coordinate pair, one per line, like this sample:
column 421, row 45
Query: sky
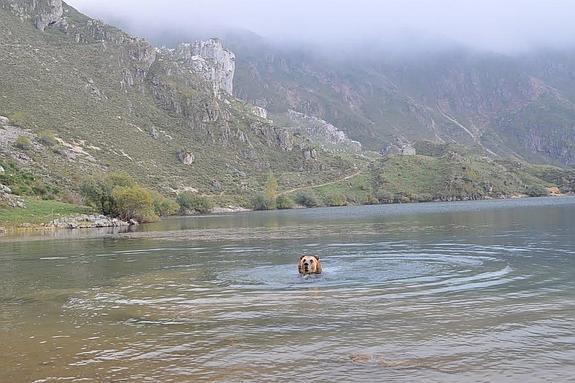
column 503, row 26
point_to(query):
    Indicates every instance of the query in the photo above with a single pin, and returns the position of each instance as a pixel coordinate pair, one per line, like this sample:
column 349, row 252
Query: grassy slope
column 47, row 81
column 446, row 172
column 39, row 211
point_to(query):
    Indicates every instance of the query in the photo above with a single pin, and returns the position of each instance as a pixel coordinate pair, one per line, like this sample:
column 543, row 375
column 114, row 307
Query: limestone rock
column 187, row 158
column 260, row 112
column 285, row 140
column 8, row 199
column 212, row 61
column 5, row 189
column 154, row 133
column 87, row 221
column 4, row 121
column 2, row 171
column 310, row 154
column 42, row 12
column 323, row 133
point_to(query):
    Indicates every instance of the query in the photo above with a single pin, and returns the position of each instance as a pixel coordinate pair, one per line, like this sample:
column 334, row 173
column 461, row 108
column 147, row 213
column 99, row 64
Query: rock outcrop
column 9, row 199
column 87, row 221
column 323, row 133
column 187, row 158
column 42, row 12
column 211, row 60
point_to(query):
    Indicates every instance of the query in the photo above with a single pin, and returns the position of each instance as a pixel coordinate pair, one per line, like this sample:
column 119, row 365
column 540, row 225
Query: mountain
column 79, row 98
column 509, row 106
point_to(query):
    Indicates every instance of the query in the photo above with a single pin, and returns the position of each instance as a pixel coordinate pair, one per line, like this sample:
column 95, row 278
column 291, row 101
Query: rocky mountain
column 509, row 106
column 79, row 97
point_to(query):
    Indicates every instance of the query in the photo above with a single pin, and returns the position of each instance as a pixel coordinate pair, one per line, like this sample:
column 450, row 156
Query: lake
column 439, row 292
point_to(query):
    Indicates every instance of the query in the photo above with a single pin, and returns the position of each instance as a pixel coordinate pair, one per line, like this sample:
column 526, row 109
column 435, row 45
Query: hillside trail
column 345, row 178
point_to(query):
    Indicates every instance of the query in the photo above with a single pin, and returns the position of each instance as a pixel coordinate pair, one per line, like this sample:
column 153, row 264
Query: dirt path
column 324, row 184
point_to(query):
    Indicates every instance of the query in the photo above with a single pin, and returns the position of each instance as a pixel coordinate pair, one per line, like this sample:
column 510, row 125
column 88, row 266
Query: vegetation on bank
column 444, row 173
column 40, row 211
column 119, row 195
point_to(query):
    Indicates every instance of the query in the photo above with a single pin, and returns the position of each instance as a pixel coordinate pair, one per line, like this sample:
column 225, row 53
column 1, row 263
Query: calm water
column 478, row 292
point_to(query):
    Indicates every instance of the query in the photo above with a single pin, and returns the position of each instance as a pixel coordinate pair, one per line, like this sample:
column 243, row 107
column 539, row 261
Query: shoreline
column 127, row 231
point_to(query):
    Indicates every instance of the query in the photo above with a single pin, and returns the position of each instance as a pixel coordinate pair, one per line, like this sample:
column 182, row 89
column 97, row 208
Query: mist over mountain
column 504, row 27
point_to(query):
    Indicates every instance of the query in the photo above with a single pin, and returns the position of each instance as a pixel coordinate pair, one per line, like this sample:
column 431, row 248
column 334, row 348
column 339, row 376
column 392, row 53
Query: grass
column 39, row 211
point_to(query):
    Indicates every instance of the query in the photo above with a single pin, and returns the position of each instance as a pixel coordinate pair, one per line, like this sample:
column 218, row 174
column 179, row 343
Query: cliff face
column 211, row 60
column 41, row 12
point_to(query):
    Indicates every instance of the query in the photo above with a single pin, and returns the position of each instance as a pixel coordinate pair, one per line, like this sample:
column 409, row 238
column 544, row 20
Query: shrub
column 120, row 178
column 97, row 193
column 134, row 202
column 307, row 199
column 260, row 202
column 164, row 206
column 536, row 191
column 284, row 202
column 370, row 200
column 335, row 199
column 384, row 197
column 47, row 138
column 23, row 142
column 188, row 201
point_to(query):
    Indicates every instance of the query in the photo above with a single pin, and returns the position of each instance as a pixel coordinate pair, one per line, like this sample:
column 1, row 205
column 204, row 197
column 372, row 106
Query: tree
column 271, row 190
column 134, row 202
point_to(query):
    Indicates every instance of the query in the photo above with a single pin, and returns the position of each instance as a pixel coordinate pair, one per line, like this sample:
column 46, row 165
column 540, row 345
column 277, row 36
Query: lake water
column 470, row 291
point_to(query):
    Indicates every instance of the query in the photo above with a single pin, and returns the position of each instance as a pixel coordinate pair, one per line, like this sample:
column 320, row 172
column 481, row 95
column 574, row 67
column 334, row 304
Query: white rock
column 211, row 60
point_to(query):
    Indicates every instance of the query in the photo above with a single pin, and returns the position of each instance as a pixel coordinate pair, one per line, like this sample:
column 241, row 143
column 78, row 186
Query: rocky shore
column 88, row 221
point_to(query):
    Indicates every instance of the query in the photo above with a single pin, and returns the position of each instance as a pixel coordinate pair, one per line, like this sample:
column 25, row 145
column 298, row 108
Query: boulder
column 5, row 189
column 4, row 121
column 187, row 158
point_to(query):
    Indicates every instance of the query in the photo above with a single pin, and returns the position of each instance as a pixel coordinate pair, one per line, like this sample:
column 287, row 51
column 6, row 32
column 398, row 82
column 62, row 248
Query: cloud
column 497, row 25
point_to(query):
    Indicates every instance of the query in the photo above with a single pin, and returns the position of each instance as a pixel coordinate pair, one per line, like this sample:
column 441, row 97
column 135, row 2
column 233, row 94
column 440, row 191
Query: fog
column 503, row 26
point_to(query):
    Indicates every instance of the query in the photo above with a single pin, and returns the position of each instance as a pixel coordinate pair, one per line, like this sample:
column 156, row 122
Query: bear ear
column 316, row 257
column 300, row 258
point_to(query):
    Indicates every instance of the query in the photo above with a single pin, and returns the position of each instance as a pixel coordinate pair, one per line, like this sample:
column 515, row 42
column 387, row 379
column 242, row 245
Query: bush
column 134, row 202
column 423, row 197
column 284, row 202
column 335, row 199
column 307, row 199
column 47, row 138
column 23, row 142
column 97, row 193
column 164, row 206
column 384, row 197
column 188, row 201
column 260, row 202
column 536, row 191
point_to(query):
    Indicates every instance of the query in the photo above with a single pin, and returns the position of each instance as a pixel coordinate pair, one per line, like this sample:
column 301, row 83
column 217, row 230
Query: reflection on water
column 434, row 292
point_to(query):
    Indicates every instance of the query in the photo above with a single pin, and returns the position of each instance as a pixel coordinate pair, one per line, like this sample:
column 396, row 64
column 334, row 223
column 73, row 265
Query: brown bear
column 309, row 264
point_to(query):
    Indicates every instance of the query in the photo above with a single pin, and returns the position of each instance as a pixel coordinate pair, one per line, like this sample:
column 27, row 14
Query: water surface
column 471, row 291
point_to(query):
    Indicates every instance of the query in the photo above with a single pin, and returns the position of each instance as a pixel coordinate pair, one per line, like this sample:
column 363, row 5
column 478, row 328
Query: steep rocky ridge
column 128, row 105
